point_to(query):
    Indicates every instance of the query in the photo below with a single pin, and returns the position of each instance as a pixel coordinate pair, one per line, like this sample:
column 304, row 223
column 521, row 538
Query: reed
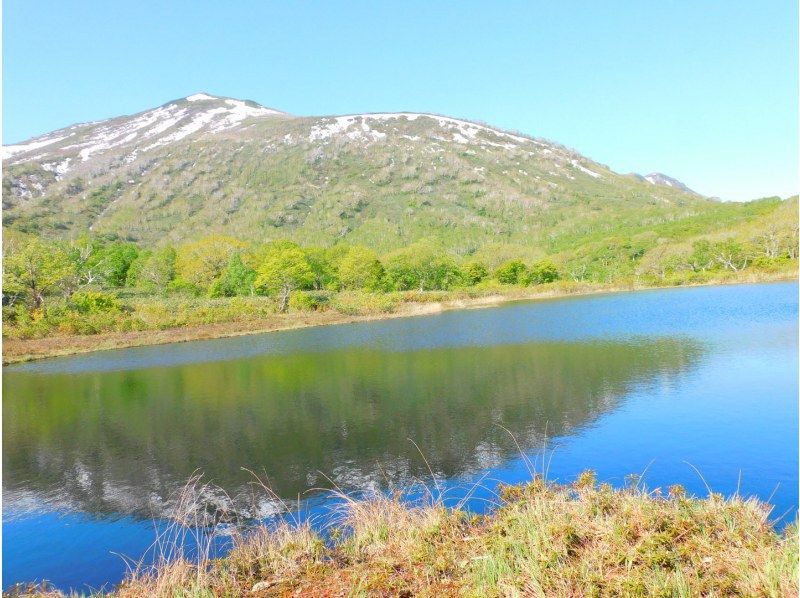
column 541, row 539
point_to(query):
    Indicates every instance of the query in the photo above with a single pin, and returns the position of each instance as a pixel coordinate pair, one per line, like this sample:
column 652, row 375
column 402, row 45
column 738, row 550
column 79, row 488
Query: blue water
column 692, row 386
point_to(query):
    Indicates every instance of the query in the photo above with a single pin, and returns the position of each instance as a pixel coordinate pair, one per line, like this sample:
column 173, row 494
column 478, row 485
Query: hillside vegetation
column 383, row 180
column 94, row 285
column 210, row 210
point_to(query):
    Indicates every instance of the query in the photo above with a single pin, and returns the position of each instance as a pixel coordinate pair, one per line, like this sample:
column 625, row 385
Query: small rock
column 262, row 585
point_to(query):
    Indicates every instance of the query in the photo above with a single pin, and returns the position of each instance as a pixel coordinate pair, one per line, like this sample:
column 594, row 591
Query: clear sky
column 703, row 91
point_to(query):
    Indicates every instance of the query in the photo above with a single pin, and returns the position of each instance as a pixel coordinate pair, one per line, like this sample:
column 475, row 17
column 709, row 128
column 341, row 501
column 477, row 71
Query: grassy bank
column 159, row 320
column 543, row 539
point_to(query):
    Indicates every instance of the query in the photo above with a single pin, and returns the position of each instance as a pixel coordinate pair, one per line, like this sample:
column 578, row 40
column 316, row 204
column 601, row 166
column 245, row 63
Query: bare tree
column 769, row 242
column 731, row 255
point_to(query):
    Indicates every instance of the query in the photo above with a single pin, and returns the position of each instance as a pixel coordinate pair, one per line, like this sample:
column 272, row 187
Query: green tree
column 421, row 266
column 731, row 254
column 791, row 242
column 113, row 262
column 474, row 272
column 659, row 262
column 202, row 262
column 152, row 270
column 34, row 269
column 237, row 279
column 322, row 263
column 284, row 268
column 360, row 268
column 702, row 257
column 83, row 252
column 614, row 258
column 512, row 272
column 542, row 272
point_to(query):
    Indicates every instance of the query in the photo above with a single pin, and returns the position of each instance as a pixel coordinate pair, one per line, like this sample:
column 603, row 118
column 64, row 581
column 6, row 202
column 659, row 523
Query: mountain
column 657, row 178
column 206, row 164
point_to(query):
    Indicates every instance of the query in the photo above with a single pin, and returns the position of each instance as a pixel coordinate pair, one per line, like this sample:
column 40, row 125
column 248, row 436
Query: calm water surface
column 95, row 447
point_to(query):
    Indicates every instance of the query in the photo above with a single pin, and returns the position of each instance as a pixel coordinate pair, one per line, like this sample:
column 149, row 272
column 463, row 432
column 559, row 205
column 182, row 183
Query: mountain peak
column 202, row 98
column 658, row 178
column 197, row 97
column 193, row 115
column 206, row 162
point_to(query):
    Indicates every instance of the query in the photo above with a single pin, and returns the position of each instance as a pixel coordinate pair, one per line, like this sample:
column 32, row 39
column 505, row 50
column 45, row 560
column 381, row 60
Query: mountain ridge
column 17, row 149
column 209, row 164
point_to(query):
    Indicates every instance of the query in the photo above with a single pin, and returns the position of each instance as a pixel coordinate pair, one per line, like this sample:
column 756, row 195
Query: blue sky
column 706, row 92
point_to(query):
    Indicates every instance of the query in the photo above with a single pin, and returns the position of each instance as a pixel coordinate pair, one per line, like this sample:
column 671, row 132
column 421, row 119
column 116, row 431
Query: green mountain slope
column 205, row 165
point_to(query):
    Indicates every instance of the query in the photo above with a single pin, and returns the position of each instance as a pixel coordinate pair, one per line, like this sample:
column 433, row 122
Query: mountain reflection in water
column 124, row 441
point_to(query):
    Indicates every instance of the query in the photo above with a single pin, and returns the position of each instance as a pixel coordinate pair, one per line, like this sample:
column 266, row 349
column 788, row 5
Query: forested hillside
column 210, row 197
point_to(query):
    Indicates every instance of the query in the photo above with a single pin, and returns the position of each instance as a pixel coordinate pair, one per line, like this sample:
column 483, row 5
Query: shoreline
column 25, row 350
column 557, row 539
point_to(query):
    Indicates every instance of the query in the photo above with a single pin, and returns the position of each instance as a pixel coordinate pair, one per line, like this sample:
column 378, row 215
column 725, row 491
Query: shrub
column 236, row 280
column 770, row 264
column 181, row 287
column 512, row 272
column 361, row 269
column 91, row 322
column 19, row 322
column 422, row 266
column 355, row 303
column 153, row 271
column 87, row 302
column 474, row 272
column 306, row 301
column 543, row 272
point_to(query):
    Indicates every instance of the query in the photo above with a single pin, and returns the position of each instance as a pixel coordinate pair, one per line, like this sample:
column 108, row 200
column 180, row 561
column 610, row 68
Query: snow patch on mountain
column 163, row 119
column 463, row 132
column 327, row 130
column 11, row 150
column 240, row 111
column 59, row 168
column 658, row 180
column 198, row 121
column 112, row 135
column 582, row 168
column 197, row 97
column 163, row 125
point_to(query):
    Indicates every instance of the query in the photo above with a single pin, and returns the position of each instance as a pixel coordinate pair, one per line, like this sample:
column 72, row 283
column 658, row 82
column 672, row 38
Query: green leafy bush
column 512, row 272
column 354, row 303
column 237, row 279
column 87, row 302
column 543, row 272
column 474, row 272
column 307, row 301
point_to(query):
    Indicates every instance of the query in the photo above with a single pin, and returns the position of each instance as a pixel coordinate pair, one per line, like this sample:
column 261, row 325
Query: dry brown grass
column 545, row 539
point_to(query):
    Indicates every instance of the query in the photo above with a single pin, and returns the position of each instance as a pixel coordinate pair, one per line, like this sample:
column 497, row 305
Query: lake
column 667, row 383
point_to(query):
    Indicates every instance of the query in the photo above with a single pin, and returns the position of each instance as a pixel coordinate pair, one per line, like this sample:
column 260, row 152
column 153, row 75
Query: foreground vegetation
column 542, row 539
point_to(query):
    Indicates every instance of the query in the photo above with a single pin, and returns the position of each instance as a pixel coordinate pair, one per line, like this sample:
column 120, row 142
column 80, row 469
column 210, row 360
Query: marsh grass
column 538, row 539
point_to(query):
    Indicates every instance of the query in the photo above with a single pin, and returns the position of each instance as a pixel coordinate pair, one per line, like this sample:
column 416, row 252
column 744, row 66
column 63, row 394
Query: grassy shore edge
column 23, row 350
column 541, row 539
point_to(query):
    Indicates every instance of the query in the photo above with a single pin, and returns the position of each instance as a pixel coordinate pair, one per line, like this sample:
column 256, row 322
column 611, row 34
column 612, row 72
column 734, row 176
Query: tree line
column 89, row 272
column 37, row 271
